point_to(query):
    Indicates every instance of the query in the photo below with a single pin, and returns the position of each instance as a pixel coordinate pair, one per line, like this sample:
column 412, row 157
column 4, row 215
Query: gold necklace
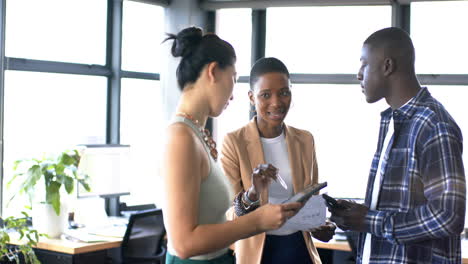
column 209, row 141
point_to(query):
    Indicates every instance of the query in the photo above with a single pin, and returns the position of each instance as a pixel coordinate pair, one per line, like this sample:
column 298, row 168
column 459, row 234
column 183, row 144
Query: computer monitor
column 108, row 169
column 108, row 166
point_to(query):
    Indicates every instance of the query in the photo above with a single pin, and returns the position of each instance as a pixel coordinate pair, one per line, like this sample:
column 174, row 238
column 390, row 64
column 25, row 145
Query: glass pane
column 322, row 39
column 440, row 43
column 57, row 30
column 142, row 34
column 345, row 129
column 235, row 116
column 142, row 127
column 47, row 113
column 235, row 26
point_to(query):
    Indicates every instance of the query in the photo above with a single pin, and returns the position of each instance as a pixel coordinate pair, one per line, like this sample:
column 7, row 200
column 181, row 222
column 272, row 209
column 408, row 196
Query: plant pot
column 46, row 221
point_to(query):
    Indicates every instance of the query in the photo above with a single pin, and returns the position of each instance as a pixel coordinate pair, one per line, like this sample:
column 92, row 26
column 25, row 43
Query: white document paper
column 312, row 215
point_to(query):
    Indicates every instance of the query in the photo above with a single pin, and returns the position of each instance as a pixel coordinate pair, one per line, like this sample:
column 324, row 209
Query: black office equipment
column 144, row 239
column 305, row 194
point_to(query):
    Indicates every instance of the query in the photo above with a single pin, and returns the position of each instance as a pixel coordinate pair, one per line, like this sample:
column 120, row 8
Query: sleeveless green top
column 215, row 192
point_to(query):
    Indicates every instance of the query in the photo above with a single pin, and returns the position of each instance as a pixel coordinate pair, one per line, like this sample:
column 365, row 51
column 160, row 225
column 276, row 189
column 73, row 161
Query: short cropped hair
column 266, row 65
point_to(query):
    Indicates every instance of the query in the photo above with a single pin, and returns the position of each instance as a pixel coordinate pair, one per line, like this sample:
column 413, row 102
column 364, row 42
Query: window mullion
column 20, row 64
column 114, row 63
column 2, row 94
column 401, row 16
column 258, row 34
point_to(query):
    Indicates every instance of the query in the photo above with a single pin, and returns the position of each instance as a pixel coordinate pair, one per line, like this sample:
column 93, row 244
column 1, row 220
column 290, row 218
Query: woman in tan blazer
column 196, row 192
column 266, row 139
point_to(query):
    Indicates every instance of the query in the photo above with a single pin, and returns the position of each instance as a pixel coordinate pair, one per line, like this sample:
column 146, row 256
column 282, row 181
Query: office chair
column 141, row 207
column 126, row 210
column 144, row 239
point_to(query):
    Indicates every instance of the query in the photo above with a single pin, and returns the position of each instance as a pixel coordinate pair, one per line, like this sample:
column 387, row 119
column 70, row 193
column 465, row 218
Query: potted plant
column 21, row 253
column 42, row 181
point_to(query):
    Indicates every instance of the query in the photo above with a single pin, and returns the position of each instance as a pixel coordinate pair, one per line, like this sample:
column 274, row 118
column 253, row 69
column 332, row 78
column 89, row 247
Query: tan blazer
column 242, row 152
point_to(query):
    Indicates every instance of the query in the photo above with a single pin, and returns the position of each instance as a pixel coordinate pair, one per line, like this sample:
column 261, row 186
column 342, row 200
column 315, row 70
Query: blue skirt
column 286, row 249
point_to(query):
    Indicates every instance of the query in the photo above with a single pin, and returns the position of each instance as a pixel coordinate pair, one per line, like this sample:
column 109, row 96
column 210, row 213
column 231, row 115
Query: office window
column 142, row 34
column 142, row 127
column 438, row 30
column 345, row 128
column 47, row 113
column 235, row 26
column 235, row 115
column 322, row 39
column 57, row 30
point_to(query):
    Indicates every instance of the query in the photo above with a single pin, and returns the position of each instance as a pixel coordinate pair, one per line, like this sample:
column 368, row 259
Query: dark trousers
column 285, row 249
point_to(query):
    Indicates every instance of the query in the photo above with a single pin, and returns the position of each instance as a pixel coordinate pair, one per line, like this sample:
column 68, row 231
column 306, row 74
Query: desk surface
column 70, row 247
column 333, row 245
column 344, row 246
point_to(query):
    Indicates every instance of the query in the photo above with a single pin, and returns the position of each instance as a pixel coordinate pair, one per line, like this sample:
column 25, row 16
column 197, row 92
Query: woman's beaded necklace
column 209, row 141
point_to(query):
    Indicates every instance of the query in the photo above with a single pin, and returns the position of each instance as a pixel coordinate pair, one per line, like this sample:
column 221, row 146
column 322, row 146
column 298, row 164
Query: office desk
column 333, row 245
column 61, row 251
column 344, row 246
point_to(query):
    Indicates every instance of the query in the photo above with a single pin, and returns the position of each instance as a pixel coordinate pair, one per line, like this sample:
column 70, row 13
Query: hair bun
column 186, row 41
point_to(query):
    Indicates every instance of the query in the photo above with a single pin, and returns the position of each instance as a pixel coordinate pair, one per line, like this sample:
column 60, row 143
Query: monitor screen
column 108, row 169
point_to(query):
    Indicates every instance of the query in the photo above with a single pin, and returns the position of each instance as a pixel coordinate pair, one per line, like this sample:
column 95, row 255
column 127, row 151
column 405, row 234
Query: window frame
column 401, row 15
column 112, row 70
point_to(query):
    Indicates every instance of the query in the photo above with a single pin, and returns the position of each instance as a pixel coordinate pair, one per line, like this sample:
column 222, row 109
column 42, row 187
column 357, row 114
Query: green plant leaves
column 49, row 174
column 69, row 184
column 16, row 164
column 53, row 196
column 34, row 174
column 58, row 171
column 85, row 184
column 31, row 235
column 59, row 168
column 62, row 170
column 67, row 159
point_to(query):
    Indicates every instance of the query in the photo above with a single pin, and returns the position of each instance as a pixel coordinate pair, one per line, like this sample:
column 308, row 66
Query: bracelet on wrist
column 240, row 207
column 249, row 202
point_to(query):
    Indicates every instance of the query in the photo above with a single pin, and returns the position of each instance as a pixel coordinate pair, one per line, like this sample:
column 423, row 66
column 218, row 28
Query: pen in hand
column 281, row 181
column 273, row 173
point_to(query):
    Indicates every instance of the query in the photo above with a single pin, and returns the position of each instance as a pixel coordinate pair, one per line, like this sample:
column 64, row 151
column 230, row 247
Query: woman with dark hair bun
column 266, row 139
column 197, row 193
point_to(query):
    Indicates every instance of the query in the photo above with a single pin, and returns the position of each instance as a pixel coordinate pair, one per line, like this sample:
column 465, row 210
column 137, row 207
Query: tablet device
column 305, row 194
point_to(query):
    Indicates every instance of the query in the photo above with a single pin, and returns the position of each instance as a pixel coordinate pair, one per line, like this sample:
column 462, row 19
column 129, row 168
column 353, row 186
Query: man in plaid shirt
column 414, row 209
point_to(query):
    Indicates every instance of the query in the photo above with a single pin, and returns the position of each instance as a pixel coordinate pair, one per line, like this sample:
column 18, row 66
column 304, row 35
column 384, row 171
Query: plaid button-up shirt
column 421, row 208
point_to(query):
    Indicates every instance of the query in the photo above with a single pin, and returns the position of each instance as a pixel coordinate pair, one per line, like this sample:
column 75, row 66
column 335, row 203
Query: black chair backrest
column 145, row 233
column 132, row 208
